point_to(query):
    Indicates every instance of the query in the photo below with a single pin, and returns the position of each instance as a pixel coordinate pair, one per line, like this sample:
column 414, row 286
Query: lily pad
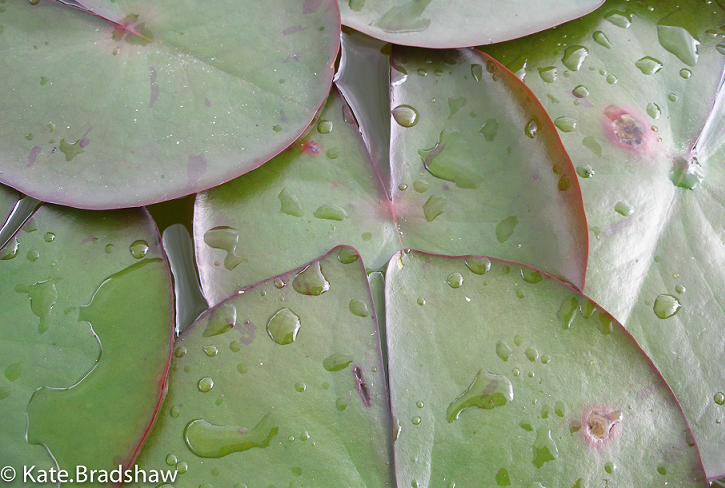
column 643, row 86
column 184, row 95
column 8, row 198
column 323, row 191
column 74, row 367
column 492, row 383
column 458, row 23
column 291, row 394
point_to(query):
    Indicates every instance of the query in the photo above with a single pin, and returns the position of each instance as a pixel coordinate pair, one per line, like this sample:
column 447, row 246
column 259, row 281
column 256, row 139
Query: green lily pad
column 184, row 95
column 459, row 23
column 640, row 90
column 8, row 199
column 323, row 191
column 291, row 394
column 492, row 384
column 77, row 295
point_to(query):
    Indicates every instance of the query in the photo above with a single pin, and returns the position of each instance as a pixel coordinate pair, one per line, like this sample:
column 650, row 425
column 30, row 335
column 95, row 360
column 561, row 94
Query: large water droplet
column 719, row 398
column 648, row 65
column 601, row 39
column 532, row 127
column 330, row 211
column 565, row 124
column 567, row 311
column 478, row 264
column 679, row 40
column 620, row 19
column 283, row 326
column 548, row 74
column 139, row 249
column 544, row 447
column 290, row 204
column 666, row 306
column 311, row 281
column 337, row 362
column 221, row 319
column 359, row 308
column 405, row 115
column 214, row 441
column 574, row 57
column 532, row 354
column 433, row 207
column 503, row 350
column 580, row 91
column 455, row 280
column 226, row 239
column 205, row 384
column 324, row 127
column 487, row 391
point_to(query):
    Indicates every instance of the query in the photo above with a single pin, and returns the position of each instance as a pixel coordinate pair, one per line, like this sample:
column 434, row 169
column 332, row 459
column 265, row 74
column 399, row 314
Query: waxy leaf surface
column 500, row 376
column 637, row 93
column 457, row 23
column 280, row 385
column 323, row 191
column 85, row 338
column 133, row 102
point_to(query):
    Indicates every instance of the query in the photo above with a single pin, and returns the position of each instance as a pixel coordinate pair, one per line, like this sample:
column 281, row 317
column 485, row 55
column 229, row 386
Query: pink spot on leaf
column 33, row 155
column 154, row 87
column 311, row 147
column 196, row 168
column 292, row 30
column 311, row 6
column 282, row 117
column 84, row 141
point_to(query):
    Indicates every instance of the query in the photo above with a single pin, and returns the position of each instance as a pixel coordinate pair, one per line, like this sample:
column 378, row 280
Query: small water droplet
column 516, row 372
column 139, row 249
column 532, row 354
column 610, row 467
column 720, row 48
column 672, row 97
column 505, row 228
column 242, row 368
column 560, row 408
column 174, row 412
column 518, row 340
column 680, row 289
column 421, row 301
column 623, row 209
column 548, row 74
column 324, row 127
column 205, row 384
column 290, row 204
column 585, row 171
column 666, row 306
column 477, row 71
column 277, row 128
column 620, row 19
column 283, row 326
column 311, row 281
column 332, row 153
column 416, row 420
column 402, row 187
column 487, row 391
column 359, row 308
column 567, row 311
column 171, row 460
column 33, row 256
column 405, row 115
column 347, row 255
column 366, row 236
column 420, row 404
column 337, row 362
column 49, row 237
column 719, row 398
column 653, row 110
column 455, row 280
column 574, row 57
column 478, row 264
column 330, row 211
column 580, row 91
column 421, row 186
column 531, row 128
column 662, row 470
column 490, row 129
column 433, row 207
column 601, row 39
column 503, row 350
column 611, row 79
column 341, row 404
column 648, row 65
column 685, row 73
column 279, row 283
column 565, row 124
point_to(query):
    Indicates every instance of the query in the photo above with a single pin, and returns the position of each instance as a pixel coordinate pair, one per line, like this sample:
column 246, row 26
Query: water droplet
column 337, row 362
column 526, row 425
column 290, row 205
column 205, row 384
column 611, row 79
column 490, row 129
column 405, row 115
column 574, row 57
column 672, row 97
column 455, row 280
column 567, row 311
column 548, row 74
column 416, row 420
column 662, row 470
column 478, row 264
column 544, row 447
column 623, row 209
column 585, row 171
column 330, row 211
column 648, row 65
column 215, row 441
column 685, row 73
column 279, row 283
column 433, row 207
column 242, row 368
column 311, row 281
column 221, row 319
column 505, row 228
column 180, row 352
column 680, row 289
column 531, row 128
column 503, row 350
column 324, row 127
column 609, row 467
column 171, row 460
column 49, row 237
column 601, row 39
column 33, row 256
column 455, row 104
column 283, row 326
column 139, row 249
column 451, row 159
column 560, row 408
column 600, row 424
column 606, row 323
column 720, row 48
column 42, row 295
column 402, row 187
column 620, row 19
column 277, row 128
column 565, row 124
column 719, row 398
column 341, row 404
column 516, row 372
column 666, row 306
column 580, row 91
column 487, row 391
column 532, row 354
column 359, row 308
column 502, row 477
column 210, row 351
column 421, row 186
column 653, row 110
column 347, row 255
column 420, row 404
column 518, row 340
column 477, row 71
column 226, row 239
column 366, row 236
column 545, row 359
column 676, row 39
column 333, row 153
column 174, row 412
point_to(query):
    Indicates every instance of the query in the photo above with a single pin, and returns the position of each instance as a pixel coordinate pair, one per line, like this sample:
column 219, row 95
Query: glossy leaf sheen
column 652, row 241
column 560, row 408
column 183, row 96
column 276, row 215
column 458, row 23
column 276, row 414
column 89, row 379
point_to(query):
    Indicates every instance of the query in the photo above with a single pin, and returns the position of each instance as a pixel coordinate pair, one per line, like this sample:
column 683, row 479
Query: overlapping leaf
column 138, row 102
column 66, row 383
column 637, row 94
column 323, row 191
column 458, row 23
